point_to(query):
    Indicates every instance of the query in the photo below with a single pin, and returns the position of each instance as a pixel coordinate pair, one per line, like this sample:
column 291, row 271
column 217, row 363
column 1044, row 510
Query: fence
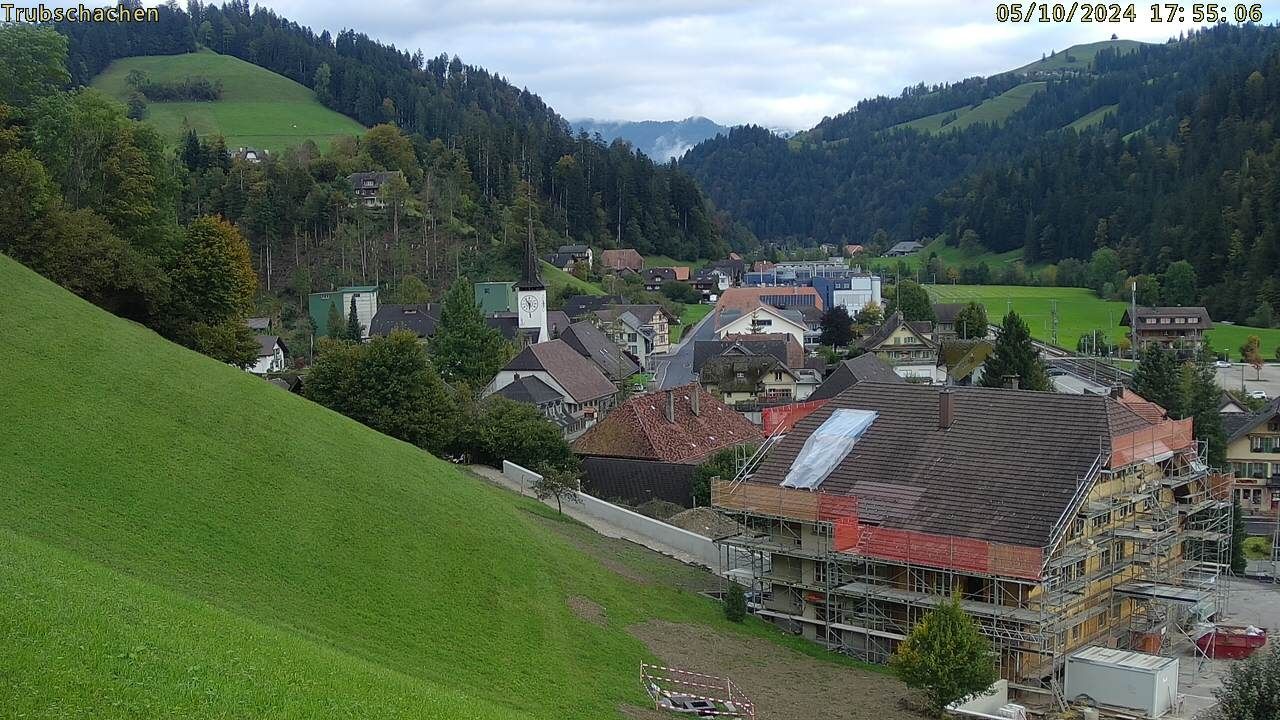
column 653, row 534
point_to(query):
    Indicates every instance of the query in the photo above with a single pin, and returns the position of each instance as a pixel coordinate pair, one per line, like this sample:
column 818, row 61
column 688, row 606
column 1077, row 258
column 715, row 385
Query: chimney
column 693, row 399
column 1011, row 381
column 1117, row 392
column 670, row 411
column 946, row 408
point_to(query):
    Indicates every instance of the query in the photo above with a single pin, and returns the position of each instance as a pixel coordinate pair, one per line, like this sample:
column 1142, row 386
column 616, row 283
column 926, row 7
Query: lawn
column 258, row 108
column 950, row 255
column 1090, row 119
column 181, row 539
column 993, row 110
column 689, row 316
column 555, row 278
column 1081, row 54
column 1079, row 311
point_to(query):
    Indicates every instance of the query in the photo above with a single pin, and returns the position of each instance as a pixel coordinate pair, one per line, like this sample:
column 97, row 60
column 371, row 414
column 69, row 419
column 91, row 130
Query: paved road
column 676, row 368
column 1269, row 382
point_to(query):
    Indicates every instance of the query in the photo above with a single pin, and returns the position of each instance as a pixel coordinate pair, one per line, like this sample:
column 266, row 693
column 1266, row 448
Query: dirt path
column 783, row 684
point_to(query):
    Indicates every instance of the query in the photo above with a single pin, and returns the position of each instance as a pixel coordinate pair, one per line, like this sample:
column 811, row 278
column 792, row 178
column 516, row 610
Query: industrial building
column 1060, row 521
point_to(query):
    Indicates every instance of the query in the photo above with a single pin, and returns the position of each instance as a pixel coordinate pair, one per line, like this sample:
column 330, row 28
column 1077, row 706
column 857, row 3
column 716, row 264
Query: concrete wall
column 661, row 536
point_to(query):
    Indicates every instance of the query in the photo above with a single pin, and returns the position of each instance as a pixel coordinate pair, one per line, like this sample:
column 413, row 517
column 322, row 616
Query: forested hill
column 505, row 136
column 882, row 165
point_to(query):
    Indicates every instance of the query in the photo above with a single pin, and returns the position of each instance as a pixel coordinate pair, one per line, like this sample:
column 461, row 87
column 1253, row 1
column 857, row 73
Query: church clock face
column 529, row 304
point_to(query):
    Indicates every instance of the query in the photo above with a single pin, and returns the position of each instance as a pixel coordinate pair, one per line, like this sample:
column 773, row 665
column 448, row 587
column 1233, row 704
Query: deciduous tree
column 912, row 301
column 946, row 657
column 837, row 327
column 1251, row 690
column 971, row 321
column 559, row 484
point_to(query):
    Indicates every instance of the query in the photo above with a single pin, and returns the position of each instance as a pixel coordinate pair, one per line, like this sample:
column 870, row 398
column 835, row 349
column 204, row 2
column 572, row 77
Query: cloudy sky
column 779, row 64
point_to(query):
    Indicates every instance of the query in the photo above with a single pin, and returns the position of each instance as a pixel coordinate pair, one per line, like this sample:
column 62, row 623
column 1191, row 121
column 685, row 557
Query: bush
column 735, row 603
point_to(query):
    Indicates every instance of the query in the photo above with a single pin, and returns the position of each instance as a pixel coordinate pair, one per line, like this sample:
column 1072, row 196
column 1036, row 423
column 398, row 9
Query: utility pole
column 1133, row 322
column 1053, row 314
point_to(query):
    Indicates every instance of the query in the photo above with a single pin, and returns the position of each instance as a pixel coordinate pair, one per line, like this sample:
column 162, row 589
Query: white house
column 863, row 290
column 271, row 355
column 760, row 319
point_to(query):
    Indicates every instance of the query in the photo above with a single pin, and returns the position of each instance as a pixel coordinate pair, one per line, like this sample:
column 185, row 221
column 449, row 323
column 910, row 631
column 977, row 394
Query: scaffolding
column 1138, row 554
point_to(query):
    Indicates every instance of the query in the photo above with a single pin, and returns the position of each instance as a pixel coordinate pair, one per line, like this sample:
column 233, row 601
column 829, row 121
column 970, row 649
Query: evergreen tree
column 192, row 155
column 971, row 322
column 1015, row 355
column 354, row 330
column 1200, row 393
column 1156, row 378
column 334, row 326
column 465, row 348
column 946, row 657
column 1239, row 532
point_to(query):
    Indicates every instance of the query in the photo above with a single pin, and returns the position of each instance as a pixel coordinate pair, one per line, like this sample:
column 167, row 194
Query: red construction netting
column 784, row 417
column 904, row 546
column 1167, row 437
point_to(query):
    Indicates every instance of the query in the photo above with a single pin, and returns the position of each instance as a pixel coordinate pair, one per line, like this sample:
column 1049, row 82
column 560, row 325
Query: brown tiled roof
column 1142, row 407
column 946, row 312
column 624, row 258
column 747, row 299
column 577, row 375
column 638, row 428
column 864, row 368
column 592, row 344
column 1005, row 470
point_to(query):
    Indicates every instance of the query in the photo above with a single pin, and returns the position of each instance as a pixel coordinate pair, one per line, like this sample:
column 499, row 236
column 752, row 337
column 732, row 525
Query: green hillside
column 993, row 110
column 950, row 255
column 181, row 539
column 1088, row 120
column 1077, row 57
column 258, row 108
column 1079, row 311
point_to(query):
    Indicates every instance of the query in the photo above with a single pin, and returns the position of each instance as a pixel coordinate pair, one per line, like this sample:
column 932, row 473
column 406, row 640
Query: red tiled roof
column 638, row 428
column 1142, row 407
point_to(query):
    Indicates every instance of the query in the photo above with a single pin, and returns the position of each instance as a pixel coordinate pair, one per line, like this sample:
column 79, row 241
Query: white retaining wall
column 663, row 537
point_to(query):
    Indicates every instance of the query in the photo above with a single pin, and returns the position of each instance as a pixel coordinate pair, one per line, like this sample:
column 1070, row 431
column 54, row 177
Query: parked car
column 1222, row 364
column 1258, row 394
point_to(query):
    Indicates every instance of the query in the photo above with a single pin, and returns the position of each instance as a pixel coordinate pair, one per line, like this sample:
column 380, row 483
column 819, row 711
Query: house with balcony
column 1176, row 328
column 908, row 348
column 1253, row 450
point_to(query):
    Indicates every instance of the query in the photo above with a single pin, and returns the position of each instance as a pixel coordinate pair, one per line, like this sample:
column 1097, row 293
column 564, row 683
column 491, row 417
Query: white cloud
column 735, row 61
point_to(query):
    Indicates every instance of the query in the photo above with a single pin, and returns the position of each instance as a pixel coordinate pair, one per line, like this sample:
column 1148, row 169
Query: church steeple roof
column 530, row 278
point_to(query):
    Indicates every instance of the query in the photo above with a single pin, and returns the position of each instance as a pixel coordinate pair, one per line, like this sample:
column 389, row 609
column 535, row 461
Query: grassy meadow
column 993, row 110
column 258, row 108
column 1079, row 311
column 181, row 539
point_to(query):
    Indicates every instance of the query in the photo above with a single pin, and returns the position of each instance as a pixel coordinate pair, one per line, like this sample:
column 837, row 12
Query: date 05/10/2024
column 1115, row 12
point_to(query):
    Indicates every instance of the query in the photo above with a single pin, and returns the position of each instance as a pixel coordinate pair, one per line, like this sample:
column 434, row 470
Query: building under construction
column 1058, row 521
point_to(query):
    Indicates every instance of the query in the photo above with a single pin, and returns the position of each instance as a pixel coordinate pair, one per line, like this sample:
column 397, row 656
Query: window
column 1180, row 321
column 1100, row 521
column 777, row 375
column 1164, row 321
column 1120, row 550
column 1106, row 558
column 1258, row 470
column 1077, row 528
column 819, row 573
column 1124, row 510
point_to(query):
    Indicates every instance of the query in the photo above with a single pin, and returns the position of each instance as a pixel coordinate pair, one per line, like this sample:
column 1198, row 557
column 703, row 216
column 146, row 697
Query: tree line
column 1187, row 137
column 505, row 141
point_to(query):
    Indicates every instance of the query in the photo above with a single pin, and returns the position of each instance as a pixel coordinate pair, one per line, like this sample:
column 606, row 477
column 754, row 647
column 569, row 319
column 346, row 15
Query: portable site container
column 1124, row 679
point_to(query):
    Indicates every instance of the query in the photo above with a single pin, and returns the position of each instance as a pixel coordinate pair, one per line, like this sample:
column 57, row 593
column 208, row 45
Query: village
column 1083, row 529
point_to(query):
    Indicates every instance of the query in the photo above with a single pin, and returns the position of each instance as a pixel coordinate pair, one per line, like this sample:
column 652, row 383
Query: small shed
column 1124, row 679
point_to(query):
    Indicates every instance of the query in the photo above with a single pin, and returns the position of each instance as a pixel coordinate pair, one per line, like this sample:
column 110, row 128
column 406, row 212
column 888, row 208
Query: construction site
column 1132, row 557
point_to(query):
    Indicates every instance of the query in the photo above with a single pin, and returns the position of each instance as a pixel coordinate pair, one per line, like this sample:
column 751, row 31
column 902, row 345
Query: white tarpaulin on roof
column 827, row 447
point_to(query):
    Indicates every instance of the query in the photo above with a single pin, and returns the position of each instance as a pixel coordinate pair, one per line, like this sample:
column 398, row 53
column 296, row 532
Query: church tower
column 531, row 296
